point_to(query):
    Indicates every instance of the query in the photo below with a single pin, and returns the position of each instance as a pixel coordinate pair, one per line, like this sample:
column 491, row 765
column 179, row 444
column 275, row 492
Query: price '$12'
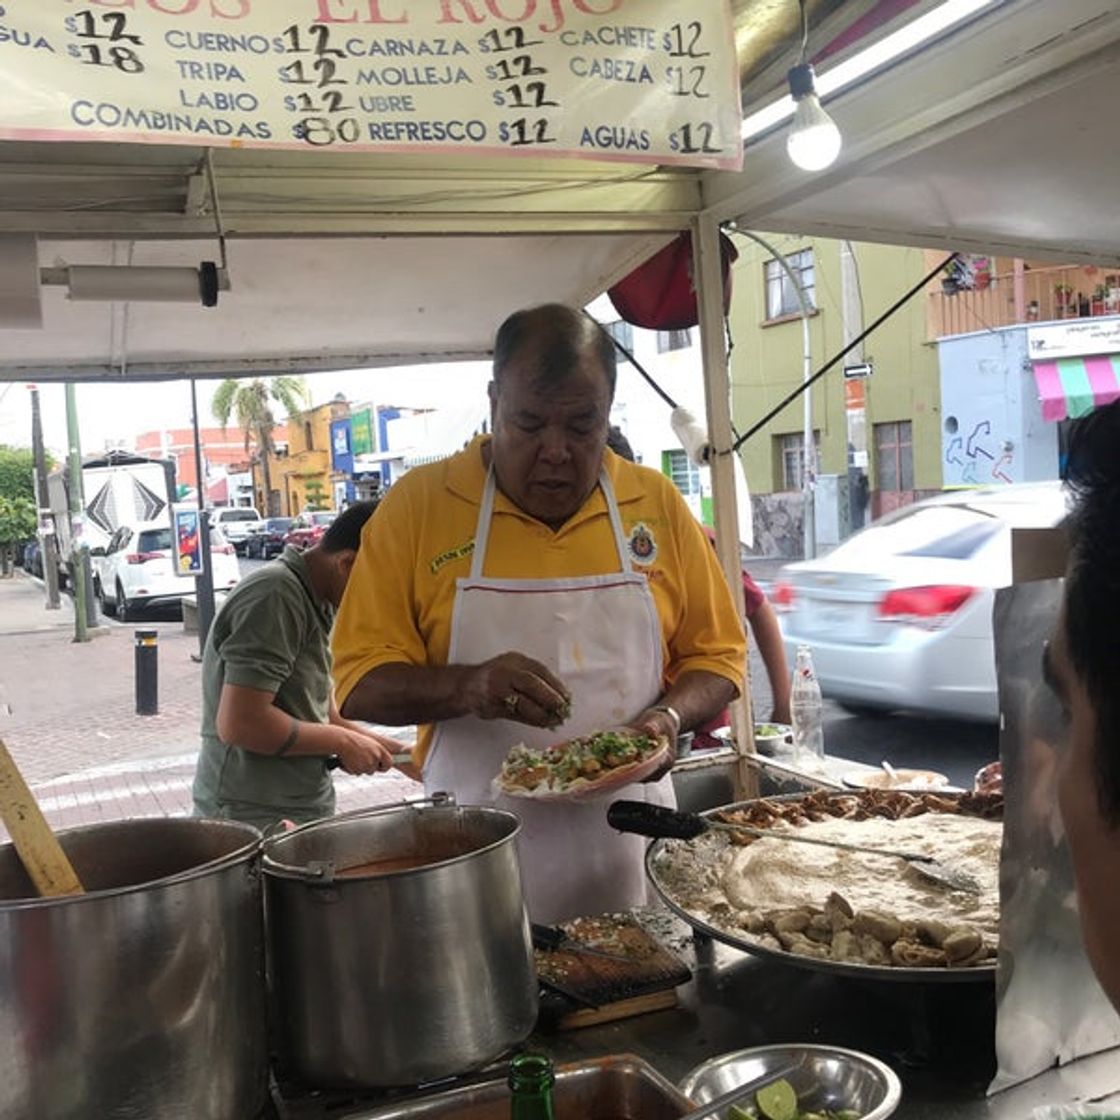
column 694, row 138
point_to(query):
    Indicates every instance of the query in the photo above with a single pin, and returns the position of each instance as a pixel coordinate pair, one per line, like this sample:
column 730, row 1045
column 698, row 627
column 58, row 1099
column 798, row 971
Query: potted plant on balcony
column 1063, row 297
column 1100, row 296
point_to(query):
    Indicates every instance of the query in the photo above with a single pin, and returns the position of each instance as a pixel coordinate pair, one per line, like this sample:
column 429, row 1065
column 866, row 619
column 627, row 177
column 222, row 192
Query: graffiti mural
column 976, row 459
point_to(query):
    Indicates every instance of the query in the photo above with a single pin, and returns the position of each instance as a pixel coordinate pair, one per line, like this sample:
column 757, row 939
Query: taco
column 603, row 760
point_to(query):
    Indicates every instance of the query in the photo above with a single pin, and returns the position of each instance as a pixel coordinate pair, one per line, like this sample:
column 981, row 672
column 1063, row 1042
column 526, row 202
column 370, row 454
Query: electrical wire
column 217, row 208
column 838, row 356
column 804, row 30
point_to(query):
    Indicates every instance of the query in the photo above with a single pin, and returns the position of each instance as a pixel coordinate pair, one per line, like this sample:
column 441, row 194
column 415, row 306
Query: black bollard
column 147, row 673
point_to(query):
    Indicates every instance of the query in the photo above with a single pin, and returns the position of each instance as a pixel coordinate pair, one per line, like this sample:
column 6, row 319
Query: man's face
column 549, row 438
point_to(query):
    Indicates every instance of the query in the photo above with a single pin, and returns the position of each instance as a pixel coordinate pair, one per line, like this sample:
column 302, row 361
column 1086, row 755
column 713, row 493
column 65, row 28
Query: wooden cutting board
column 646, row 980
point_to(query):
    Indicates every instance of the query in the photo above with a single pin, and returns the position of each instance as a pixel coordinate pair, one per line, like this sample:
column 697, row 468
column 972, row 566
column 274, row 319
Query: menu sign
column 652, row 81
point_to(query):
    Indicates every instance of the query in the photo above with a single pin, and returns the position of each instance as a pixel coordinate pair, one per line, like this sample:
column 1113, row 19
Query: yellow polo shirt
column 399, row 598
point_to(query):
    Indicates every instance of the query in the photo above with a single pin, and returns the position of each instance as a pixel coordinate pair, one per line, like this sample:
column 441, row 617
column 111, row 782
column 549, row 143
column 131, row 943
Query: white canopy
column 998, row 138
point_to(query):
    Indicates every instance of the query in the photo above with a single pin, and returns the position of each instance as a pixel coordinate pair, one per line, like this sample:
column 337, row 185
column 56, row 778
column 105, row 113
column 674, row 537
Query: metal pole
column 47, row 549
column 204, row 581
column 809, row 447
column 79, row 557
column 146, row 660
column 717, row 393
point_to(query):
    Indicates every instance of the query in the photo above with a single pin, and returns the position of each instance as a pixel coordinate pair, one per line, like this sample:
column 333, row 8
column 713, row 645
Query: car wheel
column 107, row 609
column 124, row 607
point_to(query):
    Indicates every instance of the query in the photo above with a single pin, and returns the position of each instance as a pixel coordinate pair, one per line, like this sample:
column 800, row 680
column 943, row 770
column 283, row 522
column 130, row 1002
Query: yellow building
column 885, row 426
column 300, row 471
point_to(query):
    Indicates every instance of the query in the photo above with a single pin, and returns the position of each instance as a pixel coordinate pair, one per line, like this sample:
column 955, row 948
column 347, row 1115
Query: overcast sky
column 114, row 413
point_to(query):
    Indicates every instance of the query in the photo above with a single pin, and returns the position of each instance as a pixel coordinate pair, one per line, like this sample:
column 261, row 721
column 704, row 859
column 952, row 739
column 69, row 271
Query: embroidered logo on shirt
column 456, row 553
column 641, row 545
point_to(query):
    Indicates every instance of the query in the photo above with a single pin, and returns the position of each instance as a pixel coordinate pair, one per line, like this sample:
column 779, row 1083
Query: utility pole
column 47, row 548
column 204, row 581
column 79, row 557
column 855, row 390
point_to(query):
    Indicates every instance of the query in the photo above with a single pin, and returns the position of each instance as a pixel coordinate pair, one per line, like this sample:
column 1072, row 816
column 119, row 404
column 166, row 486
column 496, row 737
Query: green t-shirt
column 270, row 634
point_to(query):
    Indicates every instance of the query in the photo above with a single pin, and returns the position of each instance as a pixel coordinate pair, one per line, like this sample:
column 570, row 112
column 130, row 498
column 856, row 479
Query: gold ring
column 511, row 702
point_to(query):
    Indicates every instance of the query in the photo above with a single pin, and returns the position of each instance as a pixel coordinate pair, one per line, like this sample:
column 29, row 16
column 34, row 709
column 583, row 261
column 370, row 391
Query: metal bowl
column 822, row 1076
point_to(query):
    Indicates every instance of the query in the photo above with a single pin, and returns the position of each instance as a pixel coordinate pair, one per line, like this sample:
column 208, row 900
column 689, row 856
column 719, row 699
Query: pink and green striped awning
column 1075, row 386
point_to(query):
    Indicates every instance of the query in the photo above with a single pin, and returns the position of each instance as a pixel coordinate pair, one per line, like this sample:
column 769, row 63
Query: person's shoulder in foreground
column 1082, row 664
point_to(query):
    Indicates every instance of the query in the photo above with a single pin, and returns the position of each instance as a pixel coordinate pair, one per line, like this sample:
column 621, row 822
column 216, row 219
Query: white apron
column 601, row 636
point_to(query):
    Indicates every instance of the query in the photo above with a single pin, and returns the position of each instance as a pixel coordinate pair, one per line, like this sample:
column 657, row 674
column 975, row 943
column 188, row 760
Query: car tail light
column 929, row 607
column 143, row 557
column 782, row 596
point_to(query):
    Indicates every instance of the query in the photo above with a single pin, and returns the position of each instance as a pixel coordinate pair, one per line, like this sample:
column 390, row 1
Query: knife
column 335, row 763
column 555, row 939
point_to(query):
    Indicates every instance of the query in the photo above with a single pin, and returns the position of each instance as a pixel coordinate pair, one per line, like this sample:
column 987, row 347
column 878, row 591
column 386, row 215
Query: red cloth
column 753, row 596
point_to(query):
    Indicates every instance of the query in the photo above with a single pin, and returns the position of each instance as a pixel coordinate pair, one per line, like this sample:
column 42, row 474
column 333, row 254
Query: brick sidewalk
column 68, row 716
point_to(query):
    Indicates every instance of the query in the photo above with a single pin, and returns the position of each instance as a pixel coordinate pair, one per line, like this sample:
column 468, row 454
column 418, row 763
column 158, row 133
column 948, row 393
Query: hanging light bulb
column 814, row 140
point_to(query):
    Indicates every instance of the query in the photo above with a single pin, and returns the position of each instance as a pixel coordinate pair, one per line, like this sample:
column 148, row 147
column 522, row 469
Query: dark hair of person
column 558, row 335
column 618, row 443
column 1093, row 586
column 344, row 533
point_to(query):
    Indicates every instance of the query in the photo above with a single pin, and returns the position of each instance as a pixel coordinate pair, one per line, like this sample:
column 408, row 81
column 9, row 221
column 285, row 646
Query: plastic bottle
column 807, row 707
column 530, row 1082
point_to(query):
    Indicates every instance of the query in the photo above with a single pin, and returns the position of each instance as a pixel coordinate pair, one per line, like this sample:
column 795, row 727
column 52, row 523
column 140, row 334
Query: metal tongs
column 657, row 821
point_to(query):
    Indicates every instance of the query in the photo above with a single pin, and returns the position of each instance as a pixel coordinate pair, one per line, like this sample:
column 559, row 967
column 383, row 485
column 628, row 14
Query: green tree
column 17, row 523
column 17, row 473
column 250, row 403
column 316, row 499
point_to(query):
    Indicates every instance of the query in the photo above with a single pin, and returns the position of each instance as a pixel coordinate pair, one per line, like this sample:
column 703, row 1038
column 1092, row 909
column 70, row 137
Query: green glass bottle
column 530, row 1083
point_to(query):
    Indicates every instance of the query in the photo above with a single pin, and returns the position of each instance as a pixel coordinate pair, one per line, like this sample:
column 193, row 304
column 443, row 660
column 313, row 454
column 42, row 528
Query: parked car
column 308, row 528
column 267, row 539
column 138, row 569
column 236, row 523
column 899, row 616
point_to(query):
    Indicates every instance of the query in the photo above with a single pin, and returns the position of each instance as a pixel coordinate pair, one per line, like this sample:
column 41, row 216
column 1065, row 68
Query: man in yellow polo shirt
column 536, row 587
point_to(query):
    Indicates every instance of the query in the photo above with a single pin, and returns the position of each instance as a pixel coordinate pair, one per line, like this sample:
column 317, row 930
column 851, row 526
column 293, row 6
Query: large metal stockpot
column 385, row 979
column 145, row 996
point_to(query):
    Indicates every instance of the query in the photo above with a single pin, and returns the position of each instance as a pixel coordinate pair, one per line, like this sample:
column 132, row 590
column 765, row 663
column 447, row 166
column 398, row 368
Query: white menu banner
column 650, row 81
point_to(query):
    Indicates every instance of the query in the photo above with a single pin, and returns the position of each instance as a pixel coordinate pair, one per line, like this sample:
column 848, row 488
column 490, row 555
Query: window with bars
column 781, row 296
column 894, row 456
column 789, row 450
column 673, row 340
column 683, row 471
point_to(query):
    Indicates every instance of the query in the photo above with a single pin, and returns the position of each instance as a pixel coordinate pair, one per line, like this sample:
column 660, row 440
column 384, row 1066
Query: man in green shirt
column 269, row 721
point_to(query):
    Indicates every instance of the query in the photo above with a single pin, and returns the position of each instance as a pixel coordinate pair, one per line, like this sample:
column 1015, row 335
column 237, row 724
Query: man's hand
column 513, row 686
column 359, row 752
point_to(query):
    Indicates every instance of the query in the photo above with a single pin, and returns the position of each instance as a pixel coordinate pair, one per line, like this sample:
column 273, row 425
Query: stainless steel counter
column 939, row 1038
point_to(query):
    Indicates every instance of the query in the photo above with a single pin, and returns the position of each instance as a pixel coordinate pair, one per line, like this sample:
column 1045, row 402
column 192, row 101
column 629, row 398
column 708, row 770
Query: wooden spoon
column 42, row 855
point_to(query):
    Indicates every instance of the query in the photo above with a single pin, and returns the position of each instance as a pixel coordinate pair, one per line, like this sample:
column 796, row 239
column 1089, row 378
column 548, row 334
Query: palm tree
column 251, row 403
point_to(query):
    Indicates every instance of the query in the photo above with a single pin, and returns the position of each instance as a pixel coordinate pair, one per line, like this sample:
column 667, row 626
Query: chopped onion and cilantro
column 587, row 758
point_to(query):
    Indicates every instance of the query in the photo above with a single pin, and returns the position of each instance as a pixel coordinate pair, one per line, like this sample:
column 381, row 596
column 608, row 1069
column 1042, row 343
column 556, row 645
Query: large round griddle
column 984, row 973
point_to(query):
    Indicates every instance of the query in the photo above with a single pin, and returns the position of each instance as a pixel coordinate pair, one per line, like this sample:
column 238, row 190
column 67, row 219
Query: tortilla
column 583, row 767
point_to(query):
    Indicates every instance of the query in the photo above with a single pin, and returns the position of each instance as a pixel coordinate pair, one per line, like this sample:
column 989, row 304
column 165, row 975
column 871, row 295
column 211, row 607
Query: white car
column 899, row 616
column 238, row 523
column 138, row 569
